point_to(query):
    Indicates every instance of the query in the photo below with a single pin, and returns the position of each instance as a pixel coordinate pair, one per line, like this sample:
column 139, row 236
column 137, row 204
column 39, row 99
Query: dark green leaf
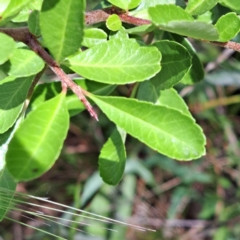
column 33, row 23
column 176, row 62
column 196, row 72
column 13, row 93
column 112, row 158
column 232, row 4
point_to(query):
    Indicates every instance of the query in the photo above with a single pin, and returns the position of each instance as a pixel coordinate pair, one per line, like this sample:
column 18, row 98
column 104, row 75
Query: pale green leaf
column 93, row 36
column 198, row 7
column 113, row 22
column 146, row 3
column 121, row 33
column 228, row 26
column 13, row 93
column 3, row 5
column 142, row 9
column 176, row 62
column 125, row 4
column 170, row 98
column 23, row 63
column 141, row 29
column 7, row 47
column 7, row 190
column 13, row 8
column 175, row 19
column 62, row 24
column 34, row 5
column 232, row 4
column 169, row 13
column 38, row 141
column 164, row 129
column 112, row 158
column 117, row 61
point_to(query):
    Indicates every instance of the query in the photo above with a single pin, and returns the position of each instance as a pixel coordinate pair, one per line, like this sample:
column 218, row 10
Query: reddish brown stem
column 30, row 40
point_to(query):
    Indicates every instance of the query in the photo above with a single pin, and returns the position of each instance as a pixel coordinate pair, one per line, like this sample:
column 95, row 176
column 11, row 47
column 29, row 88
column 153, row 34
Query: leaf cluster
column 105, row 54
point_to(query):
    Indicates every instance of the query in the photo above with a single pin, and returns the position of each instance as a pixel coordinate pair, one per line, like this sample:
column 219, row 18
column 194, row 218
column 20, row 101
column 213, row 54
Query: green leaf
column 93, row 36
column 175, row 19
column 112, row 158
column 62, row 24
column 125, row 4
column 198, row 7
column 7, row 190
column 147, row 92
column 121, row 33
column 176, row 62
column 13, row 93
column 33, row 23
column 39, row 139
column 117, row 61
column 23, row 63
column 169, row 13
column 6, row 48
column 196, row 72
column 145, row 4
column 228, row 26
column 170, row 98
column 232, row 4
column 166, row 130
column 27, row 10
column 13, row 8
column 113, row 22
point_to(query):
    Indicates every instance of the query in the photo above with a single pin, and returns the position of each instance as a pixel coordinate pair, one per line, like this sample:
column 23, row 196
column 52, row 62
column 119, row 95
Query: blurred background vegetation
column 180, row 200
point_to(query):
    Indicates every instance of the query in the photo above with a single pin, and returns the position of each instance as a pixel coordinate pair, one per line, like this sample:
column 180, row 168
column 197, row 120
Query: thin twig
column 29, row 39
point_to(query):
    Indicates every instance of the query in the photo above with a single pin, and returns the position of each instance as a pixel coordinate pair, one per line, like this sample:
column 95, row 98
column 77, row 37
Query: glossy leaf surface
column 112, row 158
column 23, row 63
column 13, row 93
column 117, row 62
column 38, row 141
column 176, row 62
column 166, row 130
column 62, row 24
